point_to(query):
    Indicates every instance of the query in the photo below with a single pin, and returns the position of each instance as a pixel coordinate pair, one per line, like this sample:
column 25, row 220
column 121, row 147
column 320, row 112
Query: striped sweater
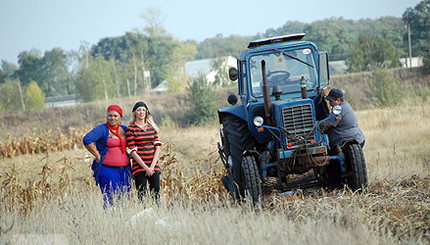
column 144, row 141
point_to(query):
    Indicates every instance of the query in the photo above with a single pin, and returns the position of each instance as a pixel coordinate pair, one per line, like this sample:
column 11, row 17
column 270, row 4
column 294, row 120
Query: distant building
column 416, row 62
column 340, row 66
column 337, row 67
column 162, row 87
column 60, row 101
column 196, row 67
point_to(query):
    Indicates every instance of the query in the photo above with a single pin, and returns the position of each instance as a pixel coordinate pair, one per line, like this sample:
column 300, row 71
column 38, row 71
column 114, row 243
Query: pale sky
column 46, row 24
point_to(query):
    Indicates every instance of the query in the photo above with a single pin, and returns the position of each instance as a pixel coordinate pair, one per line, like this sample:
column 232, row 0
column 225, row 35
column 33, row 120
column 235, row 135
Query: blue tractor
column 274, row 129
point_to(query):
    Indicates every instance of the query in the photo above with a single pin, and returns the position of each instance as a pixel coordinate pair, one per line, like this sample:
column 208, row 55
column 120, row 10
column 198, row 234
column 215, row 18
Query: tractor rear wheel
column 237, row 139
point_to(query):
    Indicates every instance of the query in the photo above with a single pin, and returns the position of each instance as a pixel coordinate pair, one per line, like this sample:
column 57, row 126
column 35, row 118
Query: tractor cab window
column 285, row 69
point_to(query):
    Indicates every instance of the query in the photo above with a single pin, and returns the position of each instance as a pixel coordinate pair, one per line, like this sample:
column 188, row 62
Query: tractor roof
column 278, row 39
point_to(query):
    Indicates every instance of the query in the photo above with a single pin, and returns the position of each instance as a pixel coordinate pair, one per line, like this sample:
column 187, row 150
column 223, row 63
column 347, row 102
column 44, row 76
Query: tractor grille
column 298, row 121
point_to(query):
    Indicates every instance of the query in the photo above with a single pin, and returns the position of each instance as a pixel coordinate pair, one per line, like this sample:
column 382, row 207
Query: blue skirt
column 114, row 182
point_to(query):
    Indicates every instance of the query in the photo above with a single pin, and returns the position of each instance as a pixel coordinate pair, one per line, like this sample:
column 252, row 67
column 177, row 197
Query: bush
column 35, row 99
column 202, row 101
column 167, row 123
column 426, row 59
column 384, row 90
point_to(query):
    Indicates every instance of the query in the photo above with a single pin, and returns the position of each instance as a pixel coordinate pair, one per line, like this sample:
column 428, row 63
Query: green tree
column 95, row 80
column 184, row 52
column 8, row 71
column 202, row 101
column 161, row 57
column 330, row 35
column 371, row 52
column 34, row 97
column 55, row 63
column 10, row 96
column 2, row 76
column 31, row 68
column 176, row 74
column 50, row 71
column 219, row 65
column 129, row 57
column 384, row 90
column 426, row 58
column 153, row 22
column 290, row 27
column 418, row 19
column 333, row 35
column 176, row 81
column 121, row 48
column 161, row 46
column 140, row 53
column 222, row 46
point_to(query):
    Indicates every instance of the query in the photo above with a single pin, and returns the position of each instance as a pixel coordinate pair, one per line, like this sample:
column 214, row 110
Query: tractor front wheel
column 353, row 174
column 253, row 190
column 356, row 176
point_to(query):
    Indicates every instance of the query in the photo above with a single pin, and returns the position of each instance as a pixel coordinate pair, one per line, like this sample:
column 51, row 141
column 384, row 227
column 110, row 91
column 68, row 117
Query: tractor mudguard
column 236, row 110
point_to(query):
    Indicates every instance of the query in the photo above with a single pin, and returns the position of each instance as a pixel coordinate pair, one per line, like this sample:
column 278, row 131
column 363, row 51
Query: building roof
column 196, row 67
column 337, row 67
column 199, row 67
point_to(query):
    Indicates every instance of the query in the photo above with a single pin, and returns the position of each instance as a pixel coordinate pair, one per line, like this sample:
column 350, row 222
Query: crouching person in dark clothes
column 142, row 139
column 340, row 131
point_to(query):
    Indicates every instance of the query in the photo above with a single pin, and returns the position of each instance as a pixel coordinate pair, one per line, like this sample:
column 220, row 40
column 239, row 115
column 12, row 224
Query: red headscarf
column 115, row 130
column 116, row 108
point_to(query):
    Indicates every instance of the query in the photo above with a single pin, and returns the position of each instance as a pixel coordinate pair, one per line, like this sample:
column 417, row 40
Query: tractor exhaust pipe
column 266, row 93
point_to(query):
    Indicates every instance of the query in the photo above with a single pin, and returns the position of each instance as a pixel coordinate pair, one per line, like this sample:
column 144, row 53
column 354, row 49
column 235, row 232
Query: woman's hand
column 93, row 150
column 150, row 171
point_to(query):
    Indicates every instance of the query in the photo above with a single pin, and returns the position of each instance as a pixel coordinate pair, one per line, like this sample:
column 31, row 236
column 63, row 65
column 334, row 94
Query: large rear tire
column 253, row 190
column 237, row 139
column 356, row 177
column 355, row 174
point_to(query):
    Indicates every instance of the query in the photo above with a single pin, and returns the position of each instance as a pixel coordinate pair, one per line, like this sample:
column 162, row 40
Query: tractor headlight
column 258, row 121
column 337, row 110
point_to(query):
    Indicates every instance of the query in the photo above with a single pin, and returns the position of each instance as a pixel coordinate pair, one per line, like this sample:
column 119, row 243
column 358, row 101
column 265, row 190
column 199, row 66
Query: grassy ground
column 53, row 196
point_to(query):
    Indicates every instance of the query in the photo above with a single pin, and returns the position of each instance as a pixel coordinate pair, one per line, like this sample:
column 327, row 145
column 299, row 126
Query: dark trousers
column 154, row 185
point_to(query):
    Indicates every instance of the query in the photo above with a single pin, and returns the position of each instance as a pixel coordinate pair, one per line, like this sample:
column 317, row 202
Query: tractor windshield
column 285, row 69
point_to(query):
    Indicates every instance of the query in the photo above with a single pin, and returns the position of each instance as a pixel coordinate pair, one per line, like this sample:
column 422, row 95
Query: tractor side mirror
column 323, row 70
column 232, row 73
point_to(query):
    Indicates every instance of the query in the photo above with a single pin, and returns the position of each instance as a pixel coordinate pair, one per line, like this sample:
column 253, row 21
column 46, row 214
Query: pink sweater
column 114, row 157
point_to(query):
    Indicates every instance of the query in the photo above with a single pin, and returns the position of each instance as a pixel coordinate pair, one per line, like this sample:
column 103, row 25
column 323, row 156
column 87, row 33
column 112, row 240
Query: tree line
column 131, row 64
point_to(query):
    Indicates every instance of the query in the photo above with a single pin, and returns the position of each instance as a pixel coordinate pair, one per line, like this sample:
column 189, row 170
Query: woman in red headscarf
column 111, row 166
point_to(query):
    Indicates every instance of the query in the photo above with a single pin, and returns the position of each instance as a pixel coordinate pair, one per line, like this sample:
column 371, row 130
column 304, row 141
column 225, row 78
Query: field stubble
column 53, row 193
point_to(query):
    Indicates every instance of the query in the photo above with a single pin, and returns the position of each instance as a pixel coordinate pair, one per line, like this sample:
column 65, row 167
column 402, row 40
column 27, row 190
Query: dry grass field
column 51, row 196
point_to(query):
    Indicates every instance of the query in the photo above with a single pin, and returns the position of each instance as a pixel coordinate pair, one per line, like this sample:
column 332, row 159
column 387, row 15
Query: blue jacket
column 100, row 136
